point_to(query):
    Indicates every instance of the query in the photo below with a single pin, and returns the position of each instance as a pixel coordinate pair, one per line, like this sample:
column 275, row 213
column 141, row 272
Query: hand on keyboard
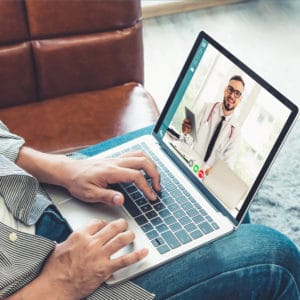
column 90, row 178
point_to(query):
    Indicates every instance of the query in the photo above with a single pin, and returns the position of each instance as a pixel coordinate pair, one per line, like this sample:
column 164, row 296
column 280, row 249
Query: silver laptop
column 191, row 209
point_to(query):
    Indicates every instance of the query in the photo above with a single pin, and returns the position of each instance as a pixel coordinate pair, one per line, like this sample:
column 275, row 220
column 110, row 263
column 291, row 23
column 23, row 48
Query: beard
column 227, row 107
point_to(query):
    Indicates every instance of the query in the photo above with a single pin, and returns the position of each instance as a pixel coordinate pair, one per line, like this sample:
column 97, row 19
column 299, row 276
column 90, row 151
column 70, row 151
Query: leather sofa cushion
column 13, row 24
column 17, row 78
column 80, row 16
column 88, row 62
column 75, row 121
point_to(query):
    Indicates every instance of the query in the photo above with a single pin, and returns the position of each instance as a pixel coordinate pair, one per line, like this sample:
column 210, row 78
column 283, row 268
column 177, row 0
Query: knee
column 263, row 245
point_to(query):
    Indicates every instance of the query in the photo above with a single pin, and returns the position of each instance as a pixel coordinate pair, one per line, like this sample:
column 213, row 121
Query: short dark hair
column 238, row 78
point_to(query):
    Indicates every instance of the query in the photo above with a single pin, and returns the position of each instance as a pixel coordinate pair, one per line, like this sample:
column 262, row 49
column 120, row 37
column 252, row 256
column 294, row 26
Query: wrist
column 55, row 278
column 44, row 288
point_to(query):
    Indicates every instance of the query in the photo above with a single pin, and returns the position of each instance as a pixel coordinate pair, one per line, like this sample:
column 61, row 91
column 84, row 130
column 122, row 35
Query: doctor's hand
column 186, row 126
column 83, row 262
column 89, row 179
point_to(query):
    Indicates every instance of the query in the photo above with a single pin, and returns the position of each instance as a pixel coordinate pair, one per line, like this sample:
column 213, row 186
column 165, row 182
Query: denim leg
column 52, row 225
column 254, row 262
column 247, row 219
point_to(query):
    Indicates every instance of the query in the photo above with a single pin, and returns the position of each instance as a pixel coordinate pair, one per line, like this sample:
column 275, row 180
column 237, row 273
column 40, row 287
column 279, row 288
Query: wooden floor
column 264, row 34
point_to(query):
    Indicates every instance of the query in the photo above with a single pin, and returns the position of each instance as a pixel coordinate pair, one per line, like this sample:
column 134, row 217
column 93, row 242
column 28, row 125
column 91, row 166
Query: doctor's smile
column 233, row 96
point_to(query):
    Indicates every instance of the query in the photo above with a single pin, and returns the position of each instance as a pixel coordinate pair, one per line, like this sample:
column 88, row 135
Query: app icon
column 201, row 174
column 196, row 168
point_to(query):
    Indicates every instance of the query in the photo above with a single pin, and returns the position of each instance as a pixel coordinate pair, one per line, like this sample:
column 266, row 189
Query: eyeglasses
column 231, row 90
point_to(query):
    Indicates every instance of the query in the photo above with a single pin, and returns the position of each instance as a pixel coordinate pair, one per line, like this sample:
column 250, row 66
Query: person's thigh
column 254, row 262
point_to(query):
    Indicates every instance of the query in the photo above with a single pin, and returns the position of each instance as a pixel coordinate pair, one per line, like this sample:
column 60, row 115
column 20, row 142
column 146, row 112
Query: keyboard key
column 175, row 193
column 146, row 208
column 205, row 227
column 159, row 206
column 157, row 241
column 187, row 205
column 155, row 202
column 215, row 225
column 170, row 239
column 152, row 234
column 163, row 249
column 141, row 220
column 156, row 221
column 182, row 199
column 151, row 214
column 197, row 205
column 147, row 227
column 130, row 189
column 198, row 219
column 181, row 187
column 132, row 208
column 161, row 228
column 183, row 236
column 164, row 213
column 196, row 234
column 192, row 213
column 186, row 193
column 209, row 219
column 179, row 214
column 140, row 201
column 170, row 220
column 175, row 227
column 203, row 212
column 190, row 227
column 185, row 220
column 173, row 207
column 136, row 195
column 168, row 200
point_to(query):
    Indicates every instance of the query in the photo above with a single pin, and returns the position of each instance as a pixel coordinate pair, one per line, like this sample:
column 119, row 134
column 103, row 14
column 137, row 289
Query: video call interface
column 253, row 121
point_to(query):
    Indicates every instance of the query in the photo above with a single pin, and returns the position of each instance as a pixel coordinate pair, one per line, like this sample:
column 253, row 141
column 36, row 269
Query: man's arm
column 88, row 179
column 82, row 263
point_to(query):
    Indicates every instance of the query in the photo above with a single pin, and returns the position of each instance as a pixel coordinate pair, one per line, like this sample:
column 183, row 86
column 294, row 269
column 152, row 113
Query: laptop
column 192, row 210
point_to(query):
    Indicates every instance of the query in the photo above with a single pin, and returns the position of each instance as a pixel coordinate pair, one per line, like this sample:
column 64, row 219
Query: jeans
column 254, row 262
column 52, row 225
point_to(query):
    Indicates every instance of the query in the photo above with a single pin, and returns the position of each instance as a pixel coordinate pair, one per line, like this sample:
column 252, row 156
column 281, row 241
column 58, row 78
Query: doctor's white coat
column 228, row 140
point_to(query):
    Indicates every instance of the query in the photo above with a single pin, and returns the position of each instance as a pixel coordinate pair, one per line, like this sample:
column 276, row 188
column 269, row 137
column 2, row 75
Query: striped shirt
column 22, row 255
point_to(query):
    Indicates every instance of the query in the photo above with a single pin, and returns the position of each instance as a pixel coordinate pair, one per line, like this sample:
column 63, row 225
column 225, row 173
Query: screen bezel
column 278, row 143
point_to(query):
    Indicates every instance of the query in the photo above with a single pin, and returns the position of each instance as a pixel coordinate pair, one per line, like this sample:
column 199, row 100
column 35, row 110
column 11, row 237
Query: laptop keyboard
column 175, row 218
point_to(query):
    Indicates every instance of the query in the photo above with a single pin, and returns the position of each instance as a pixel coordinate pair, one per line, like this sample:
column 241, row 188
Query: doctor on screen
column 217, row 129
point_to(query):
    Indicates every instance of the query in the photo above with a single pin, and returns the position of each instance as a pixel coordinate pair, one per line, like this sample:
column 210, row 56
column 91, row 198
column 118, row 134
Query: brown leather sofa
column 71, row 72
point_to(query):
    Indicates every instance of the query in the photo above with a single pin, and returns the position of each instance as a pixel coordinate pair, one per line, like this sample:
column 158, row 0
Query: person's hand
column 83, row 262
column 186, row 126
column 207, row 171
column 89, row 179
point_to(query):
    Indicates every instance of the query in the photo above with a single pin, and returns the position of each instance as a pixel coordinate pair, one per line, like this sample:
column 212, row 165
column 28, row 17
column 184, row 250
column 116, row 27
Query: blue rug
column 277, row 203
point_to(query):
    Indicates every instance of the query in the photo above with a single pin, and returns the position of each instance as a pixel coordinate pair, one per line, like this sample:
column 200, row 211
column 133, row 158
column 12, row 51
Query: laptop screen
column 224, row 124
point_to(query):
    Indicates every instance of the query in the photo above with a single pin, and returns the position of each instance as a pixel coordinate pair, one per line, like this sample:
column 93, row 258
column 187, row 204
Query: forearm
column 47, row 168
